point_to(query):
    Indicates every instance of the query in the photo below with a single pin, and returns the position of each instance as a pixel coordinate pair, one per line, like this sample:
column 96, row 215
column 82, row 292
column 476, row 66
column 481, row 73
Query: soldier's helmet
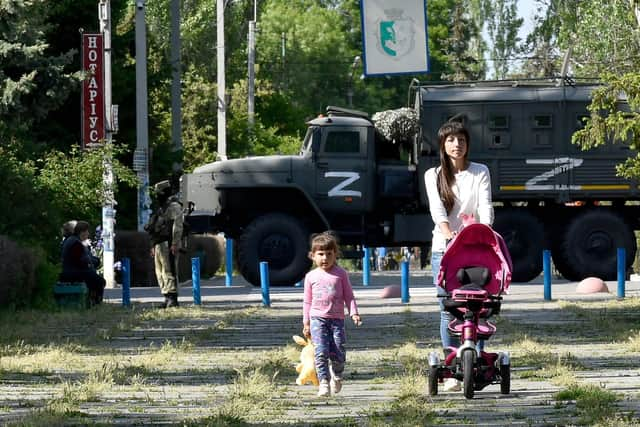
column 162, row 187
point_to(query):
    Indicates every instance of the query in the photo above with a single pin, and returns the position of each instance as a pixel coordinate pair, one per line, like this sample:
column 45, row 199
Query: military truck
column 350, row 178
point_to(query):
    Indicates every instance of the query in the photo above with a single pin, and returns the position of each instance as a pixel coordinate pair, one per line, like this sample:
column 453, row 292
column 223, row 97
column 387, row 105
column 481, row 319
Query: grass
column 162, row 363
column 593, row 404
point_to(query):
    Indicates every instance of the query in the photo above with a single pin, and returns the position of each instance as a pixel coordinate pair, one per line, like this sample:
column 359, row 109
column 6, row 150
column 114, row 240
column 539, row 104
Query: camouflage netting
column 397, row 125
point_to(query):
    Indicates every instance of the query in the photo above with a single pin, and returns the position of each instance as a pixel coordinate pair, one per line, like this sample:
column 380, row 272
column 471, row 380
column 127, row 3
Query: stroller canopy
column 477, row 245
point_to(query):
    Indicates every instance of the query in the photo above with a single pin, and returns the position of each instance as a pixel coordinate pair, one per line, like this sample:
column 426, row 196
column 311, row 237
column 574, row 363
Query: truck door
column 342, row 172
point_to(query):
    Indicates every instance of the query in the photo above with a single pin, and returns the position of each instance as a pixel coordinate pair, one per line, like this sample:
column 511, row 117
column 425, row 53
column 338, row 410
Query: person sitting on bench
column 79, row 265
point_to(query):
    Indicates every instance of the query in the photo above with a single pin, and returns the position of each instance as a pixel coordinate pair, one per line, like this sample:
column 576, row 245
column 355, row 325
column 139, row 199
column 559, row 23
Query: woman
column 456, row 188
column 78, row 265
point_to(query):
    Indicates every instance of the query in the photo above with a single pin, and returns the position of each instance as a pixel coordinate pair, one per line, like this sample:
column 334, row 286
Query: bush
column 25, row 276
column 209, row 248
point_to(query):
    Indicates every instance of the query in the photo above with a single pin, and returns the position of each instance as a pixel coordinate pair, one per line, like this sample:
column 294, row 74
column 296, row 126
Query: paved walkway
column 188, row 393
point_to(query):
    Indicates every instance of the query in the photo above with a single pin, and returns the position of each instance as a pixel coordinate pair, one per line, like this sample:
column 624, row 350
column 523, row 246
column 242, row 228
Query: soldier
column 165, row 229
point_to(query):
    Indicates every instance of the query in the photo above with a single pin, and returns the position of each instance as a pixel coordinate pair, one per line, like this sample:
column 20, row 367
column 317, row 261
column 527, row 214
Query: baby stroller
column 475, row 271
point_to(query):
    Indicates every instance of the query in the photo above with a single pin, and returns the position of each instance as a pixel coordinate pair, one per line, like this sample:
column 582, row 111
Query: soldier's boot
column 172, row 299
column 165, row 303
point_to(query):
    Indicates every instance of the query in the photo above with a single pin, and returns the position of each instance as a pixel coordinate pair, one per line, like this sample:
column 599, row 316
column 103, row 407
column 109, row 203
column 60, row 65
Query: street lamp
column 356, row 60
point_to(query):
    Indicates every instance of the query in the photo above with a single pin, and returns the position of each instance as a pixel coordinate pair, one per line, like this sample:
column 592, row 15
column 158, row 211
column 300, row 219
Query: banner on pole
column 394, row 36
column 93, row 120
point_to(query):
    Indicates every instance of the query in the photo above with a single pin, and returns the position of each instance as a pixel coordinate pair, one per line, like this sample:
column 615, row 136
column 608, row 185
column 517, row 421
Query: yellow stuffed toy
column 306, row 369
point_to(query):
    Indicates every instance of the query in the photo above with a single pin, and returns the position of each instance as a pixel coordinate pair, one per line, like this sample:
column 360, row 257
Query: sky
column 526, row 8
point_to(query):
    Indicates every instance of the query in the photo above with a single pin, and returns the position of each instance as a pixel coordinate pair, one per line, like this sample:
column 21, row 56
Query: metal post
column 366, row 268
column 546, row 267
column 622, row 262
column 195, row 279
column 222, row 102
column 404, row 288
column 176, row 73
column 264, row 283
column 141, row 156
column 126, row 282
column 108, row 206
column 251, row 61
column 229, row 262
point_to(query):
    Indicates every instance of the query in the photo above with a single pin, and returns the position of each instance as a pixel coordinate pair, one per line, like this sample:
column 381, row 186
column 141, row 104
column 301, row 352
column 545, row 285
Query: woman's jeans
column 445, row 316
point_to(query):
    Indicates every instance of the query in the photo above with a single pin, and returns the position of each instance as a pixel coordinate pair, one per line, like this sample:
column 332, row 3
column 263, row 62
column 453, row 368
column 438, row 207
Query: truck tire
column 282, row 241
column 524, row 236
column 591, row 242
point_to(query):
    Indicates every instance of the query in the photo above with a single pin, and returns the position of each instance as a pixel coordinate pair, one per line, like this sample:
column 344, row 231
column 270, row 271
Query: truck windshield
column 308, row 139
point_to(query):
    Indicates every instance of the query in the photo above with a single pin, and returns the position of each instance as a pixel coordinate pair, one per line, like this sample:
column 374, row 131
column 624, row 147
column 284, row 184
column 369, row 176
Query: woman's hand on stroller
column 356, row 319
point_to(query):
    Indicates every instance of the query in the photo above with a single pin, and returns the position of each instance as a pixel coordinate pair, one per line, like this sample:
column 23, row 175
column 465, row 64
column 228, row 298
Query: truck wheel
column 282, row 241
column 557, row 237
column 524, row 236
column 591, row 242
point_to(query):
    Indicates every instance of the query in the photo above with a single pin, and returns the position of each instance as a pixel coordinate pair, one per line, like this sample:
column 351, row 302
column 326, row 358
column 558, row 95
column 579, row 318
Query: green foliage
column 32, row 82
column 609, row 124
column 603, row 37
column 503, row 25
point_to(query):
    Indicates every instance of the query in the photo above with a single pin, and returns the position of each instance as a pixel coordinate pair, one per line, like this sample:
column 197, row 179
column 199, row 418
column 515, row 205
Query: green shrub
column 26, row 277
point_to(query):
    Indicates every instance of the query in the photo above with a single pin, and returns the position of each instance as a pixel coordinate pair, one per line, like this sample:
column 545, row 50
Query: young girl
column 456, row 188
column 327, row 291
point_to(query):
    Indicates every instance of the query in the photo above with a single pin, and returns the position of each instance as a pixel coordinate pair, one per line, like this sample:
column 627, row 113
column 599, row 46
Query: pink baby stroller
column 475, row 271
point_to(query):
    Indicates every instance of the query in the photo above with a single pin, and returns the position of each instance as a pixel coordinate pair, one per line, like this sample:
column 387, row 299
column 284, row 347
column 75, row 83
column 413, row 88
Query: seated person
column 79, row 265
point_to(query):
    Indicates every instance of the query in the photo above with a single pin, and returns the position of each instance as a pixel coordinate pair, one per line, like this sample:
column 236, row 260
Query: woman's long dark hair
column 446, row 176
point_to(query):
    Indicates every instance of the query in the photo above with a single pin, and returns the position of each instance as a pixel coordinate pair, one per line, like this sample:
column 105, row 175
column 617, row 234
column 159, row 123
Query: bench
column 71, row 295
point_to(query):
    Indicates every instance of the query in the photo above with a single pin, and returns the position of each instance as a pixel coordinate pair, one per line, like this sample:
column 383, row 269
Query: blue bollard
column 622, row 262
column 546, row 268
column 404, row 288
column 126, row 282
column 366, row 270
column 229, row 263
column 264, row 283
column 195, row 279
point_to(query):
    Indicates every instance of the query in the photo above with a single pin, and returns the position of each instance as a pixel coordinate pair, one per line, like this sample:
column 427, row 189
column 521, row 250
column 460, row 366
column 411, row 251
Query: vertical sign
column 93, row 120
column 394, row 36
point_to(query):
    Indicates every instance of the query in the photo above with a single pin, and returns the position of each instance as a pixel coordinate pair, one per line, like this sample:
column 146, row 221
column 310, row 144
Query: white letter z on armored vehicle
column 365, row 181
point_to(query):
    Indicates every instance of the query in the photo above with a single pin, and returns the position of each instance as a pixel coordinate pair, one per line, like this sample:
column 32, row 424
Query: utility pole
column 109, row 203
column 222, row 101
column 176, row 85
column 141, row 155
column 251, row 61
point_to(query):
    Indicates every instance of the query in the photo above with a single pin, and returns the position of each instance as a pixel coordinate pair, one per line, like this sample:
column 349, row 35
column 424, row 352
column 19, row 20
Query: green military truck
column 351, row 177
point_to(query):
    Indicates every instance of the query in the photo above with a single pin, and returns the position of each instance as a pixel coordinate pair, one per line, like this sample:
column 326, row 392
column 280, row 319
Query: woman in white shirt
column 455, row 188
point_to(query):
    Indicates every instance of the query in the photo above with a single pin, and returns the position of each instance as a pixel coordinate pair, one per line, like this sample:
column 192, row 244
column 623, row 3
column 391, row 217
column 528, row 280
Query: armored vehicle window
column 544, row 121
column 342, row 142
column 498, row 121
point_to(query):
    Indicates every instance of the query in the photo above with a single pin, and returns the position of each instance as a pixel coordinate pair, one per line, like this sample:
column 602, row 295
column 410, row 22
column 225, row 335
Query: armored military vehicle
column 352, row 177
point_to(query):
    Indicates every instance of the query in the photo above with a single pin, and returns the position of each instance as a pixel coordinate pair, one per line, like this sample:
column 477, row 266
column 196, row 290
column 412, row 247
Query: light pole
column 141, row 155
column 108, row 204
column 222, row 101
column 356, row 60
column 251, row 59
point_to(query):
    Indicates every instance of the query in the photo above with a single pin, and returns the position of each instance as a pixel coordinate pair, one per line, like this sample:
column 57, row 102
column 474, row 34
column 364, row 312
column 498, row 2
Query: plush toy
column 306, row 369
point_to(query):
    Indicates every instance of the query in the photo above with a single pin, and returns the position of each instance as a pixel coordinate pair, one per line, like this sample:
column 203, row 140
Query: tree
column 607, row 123
column 463, row 46
column 502, row 26
column 33, row 82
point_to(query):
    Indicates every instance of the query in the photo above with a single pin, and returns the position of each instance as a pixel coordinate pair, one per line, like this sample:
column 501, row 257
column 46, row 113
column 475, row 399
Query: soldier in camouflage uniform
column 165, row 229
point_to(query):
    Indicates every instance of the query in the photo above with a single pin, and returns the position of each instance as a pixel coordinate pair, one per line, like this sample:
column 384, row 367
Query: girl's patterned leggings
column 328, row 338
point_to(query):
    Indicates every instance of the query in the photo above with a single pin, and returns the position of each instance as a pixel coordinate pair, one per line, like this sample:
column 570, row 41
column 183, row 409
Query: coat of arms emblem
column 395, row 34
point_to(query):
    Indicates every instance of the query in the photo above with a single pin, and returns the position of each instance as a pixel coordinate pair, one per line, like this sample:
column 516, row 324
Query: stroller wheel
column 432, row 384
column 505, row 379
